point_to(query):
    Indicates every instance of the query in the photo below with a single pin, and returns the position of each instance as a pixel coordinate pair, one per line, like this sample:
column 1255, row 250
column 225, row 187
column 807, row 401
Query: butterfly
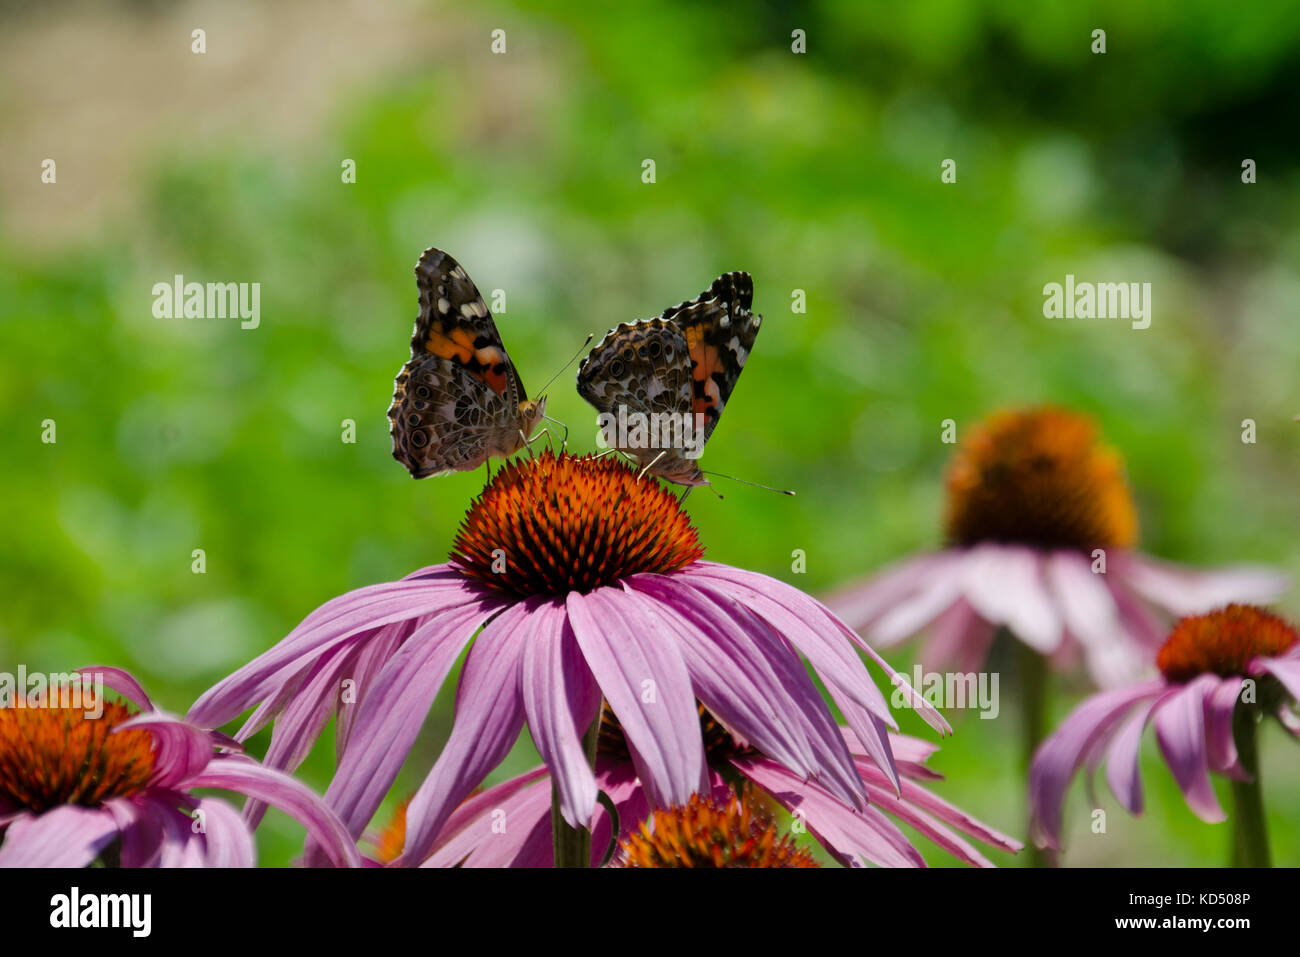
column 458, row 401
column 681, row 366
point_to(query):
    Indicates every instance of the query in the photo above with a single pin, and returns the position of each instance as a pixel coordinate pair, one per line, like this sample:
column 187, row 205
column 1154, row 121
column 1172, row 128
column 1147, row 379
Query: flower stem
column 573, row 844
column 1033, row 721
column 1249, row 829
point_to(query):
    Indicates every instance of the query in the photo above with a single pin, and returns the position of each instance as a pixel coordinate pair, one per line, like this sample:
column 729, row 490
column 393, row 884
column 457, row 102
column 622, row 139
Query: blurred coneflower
column 508, row 825
column 79, row 785
column 572, row 580
column 1041, row 529
column 1220, row 673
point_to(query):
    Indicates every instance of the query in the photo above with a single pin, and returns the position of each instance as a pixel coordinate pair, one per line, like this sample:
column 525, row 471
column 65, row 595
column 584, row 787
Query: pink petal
column 1005, row 585
column 1220, row 746
column 65, row 836
column 289, row 795
column 861, row 604
column 561, row 700
column 1180, row 732
column 1064, row 752
column 752, row 682
column 489, row 717
column 642, row 675
column 1187, row 591
column 358, row 612
column 392, row 714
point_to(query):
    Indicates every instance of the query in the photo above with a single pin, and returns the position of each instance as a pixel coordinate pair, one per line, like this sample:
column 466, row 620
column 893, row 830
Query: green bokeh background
column 818, row 172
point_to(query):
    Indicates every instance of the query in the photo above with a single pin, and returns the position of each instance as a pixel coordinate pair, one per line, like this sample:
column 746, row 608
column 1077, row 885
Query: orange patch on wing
column 459, row 347
column 704, row 362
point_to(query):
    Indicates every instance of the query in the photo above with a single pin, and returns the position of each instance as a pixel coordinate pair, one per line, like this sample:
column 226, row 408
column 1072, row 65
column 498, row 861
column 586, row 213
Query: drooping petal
column 180, row 749
column 65, row 836
column 751, row 682
column 489, row 818
column 854, row 837
column 302, row 720
column 1092, row 618
column 367, row 664
column 1220, row 746
column 365, row 610
column 122, row 682
column 1180, row 732
column 393, row 712
column 1123, row 772
column 289, row 795
column 805, row 624
column 226, row 839
column 642, row 675
column 489, row 716
column 1065, row 751
column 1284, row 669
column 561, row 700
column 1005, row 585
column 925, row 810
column 1185, row 591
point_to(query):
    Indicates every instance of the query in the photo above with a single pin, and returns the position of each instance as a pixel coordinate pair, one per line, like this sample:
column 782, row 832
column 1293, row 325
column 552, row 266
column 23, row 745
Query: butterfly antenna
column 590, row 336
column 780, row 491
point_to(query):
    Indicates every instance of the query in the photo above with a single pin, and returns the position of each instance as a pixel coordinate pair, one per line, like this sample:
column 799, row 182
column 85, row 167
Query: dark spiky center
column 51, row 756
column 1223, row 642
column 556, row 524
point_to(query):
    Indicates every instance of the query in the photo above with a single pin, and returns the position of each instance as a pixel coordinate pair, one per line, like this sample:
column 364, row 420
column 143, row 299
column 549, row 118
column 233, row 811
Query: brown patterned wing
column 445, row 420
column 720, row 328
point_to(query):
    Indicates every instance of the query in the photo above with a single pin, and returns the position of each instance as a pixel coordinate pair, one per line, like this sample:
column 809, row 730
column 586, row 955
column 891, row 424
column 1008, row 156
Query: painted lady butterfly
column 683, row 363
column 458, row 401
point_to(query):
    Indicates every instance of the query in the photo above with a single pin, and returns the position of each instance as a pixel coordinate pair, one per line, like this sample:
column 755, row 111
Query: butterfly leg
column 564, row 443
column 651, row 464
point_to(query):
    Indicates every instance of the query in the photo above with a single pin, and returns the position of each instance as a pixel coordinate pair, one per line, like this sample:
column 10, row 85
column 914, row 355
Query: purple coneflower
column 572, row 580
column 1041, row 528
column 509, row 825
column 1220, row 672
column 76, row 787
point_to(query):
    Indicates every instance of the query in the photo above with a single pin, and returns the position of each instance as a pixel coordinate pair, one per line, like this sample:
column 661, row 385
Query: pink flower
column 1042, row 529
column 572, row 581
column 1203, row 719
column 75, row 785
column 509, row 824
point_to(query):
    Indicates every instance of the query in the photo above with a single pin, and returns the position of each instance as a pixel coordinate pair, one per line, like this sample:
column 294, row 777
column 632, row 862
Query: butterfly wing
column 720, row 328
column 454, row 323
column 640, row 367
column 444, row 420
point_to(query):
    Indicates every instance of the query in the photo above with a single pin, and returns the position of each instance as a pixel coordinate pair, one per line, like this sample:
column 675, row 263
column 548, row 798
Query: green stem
column 573, row 844
column 1249, row 828
column 1033, row 722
